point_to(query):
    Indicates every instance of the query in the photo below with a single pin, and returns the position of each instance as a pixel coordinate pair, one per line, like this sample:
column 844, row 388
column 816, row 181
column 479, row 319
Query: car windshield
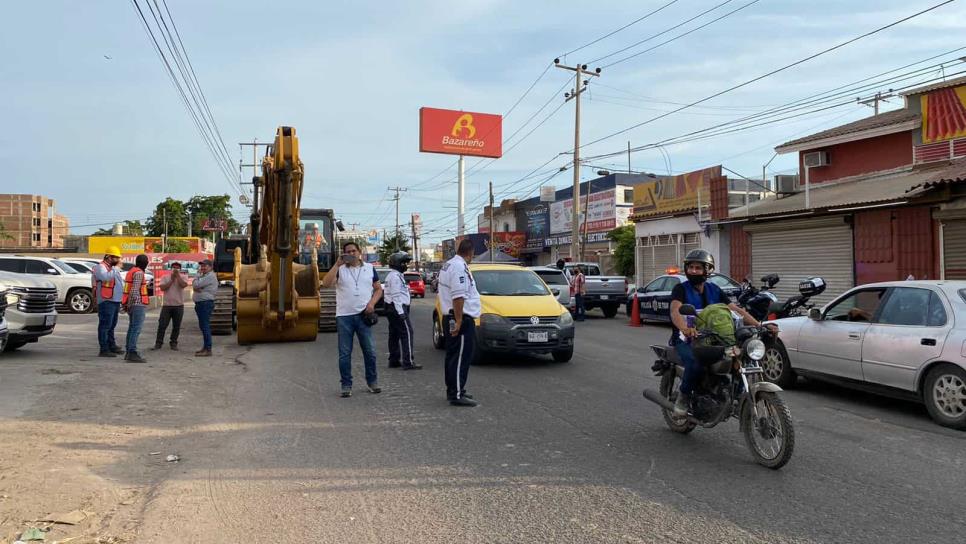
column 413, row 277
column 552, row 277
column 78, row 267
column 722, row 281
column 382, row 274
column 64, row 266
column 509, row 283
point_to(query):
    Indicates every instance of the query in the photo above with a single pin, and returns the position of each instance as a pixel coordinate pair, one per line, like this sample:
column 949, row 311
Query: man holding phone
column 357, row 290
column 172, row 309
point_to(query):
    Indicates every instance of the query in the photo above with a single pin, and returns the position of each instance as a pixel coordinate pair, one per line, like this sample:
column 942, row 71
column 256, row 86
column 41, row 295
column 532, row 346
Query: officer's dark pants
column 459, row 353
column 400, row 337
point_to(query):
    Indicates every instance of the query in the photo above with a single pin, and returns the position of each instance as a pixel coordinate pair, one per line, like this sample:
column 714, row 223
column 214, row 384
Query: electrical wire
column 628, row 25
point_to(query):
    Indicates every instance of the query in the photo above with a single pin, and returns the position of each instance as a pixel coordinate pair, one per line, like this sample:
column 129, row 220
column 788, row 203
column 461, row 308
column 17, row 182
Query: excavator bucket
column 277, row 299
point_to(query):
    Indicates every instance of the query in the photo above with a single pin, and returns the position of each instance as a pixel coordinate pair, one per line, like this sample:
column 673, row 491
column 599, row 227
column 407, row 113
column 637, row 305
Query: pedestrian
column 460, row 303
column 204, row 288
column 578, row 289
column 109, row 290
column 357, row 290
column 397, row 313
column 172, row 309
column 135, row 303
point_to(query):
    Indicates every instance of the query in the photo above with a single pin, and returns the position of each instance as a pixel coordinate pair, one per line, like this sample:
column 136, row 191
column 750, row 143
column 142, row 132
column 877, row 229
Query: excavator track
column 326, row 310
column 223, row 316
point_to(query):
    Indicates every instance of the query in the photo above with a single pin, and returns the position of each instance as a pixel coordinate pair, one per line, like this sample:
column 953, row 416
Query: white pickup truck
column 604, row 292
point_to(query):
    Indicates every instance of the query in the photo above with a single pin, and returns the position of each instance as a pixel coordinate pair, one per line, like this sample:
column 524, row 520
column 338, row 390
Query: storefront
column 952, row 220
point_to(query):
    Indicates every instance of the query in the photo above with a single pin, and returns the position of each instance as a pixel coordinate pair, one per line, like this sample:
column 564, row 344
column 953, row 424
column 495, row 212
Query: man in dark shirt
column 700, row 293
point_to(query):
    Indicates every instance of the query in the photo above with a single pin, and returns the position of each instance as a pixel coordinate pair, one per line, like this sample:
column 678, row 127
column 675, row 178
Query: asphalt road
column 556, row 452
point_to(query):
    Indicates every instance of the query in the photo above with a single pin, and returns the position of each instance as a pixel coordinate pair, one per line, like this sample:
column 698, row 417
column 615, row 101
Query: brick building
column 31, row 222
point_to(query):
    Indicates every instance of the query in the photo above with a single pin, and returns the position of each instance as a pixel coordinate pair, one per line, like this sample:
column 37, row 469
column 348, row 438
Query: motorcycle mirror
column 770, row 280
column 815, row 314
column 687, row 309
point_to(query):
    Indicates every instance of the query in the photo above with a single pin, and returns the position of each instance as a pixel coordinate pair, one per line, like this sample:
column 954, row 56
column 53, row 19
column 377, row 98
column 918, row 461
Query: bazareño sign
column 460, row 133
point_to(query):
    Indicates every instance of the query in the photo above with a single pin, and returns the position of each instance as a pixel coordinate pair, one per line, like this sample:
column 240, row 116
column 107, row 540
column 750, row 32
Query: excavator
column 275, row 298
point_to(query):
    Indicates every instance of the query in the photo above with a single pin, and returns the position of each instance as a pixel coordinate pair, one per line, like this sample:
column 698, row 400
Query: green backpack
column 717, row 318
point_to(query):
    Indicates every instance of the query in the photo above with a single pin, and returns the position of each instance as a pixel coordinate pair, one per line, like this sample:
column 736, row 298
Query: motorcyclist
column 700, row 293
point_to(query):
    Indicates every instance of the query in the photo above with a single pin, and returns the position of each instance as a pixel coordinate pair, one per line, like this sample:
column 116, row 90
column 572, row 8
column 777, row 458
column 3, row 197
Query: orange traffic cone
column 636, row 313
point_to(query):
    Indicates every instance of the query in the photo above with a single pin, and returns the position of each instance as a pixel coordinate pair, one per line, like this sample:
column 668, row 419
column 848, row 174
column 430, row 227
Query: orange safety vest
column 129, row 281
column 107, row 287
column 310, row 239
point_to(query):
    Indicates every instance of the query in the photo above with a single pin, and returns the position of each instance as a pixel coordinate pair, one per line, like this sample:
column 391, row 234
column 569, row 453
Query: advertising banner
column 678, row 194
column 133, row 245
column 944, row 114
column 509, row 243
column 534, row 222
column 460, row 133
column 601, row 213
column 548, row 193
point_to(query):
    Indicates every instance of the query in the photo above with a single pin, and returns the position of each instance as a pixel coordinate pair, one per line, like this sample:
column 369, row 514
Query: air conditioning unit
column 785, row 184
column 816, row 159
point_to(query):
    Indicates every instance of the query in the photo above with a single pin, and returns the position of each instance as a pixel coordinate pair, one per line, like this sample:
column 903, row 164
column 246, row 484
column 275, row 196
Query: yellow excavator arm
column 277, row 298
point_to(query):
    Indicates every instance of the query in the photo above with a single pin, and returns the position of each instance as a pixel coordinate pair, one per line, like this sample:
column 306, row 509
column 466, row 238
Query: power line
column 771, row 73
column 628, row 25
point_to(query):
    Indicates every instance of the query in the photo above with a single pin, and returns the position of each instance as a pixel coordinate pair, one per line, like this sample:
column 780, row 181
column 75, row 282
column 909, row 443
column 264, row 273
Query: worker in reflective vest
column 108, row 287
column 135, row 302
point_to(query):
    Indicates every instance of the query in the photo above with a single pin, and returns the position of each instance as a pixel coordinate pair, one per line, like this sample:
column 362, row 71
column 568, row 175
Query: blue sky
column 109, row 138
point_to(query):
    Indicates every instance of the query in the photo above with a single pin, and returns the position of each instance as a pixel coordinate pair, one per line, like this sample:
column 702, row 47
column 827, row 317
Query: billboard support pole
column 491, row 221
column 459, row 196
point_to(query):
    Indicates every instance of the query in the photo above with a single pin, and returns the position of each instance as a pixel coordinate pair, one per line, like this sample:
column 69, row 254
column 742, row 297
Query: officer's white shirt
column 396, row 291
column 353, row 288
column 455, row 281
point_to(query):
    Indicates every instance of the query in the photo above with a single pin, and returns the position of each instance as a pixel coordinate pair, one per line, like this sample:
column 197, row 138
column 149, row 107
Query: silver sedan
column 905, row 339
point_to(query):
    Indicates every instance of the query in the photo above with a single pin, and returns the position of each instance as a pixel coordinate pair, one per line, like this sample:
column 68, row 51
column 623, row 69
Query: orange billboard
column 460, row 133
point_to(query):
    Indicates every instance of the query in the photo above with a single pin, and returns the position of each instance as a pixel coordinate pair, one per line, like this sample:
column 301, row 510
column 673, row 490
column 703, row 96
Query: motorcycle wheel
column 772, row 438
column 669, row 390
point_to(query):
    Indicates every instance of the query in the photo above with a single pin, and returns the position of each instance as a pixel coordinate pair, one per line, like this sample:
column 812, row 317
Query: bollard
column 636, row 312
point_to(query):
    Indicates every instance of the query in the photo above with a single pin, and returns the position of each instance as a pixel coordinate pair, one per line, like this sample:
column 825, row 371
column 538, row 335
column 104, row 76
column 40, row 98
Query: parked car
column 520, row 315
column 31, row 311
column 903, row 339
column 604, row 292
column 84, row 266
column 74, row 289
column 4, row 330
column 655, row 297
column 417, row 287
column 556, row 280
column 381, row 303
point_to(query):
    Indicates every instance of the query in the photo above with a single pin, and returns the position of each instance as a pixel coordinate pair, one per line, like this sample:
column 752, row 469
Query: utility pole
column 164, row 241
column 412, row 221
column 491, row 221
column 628, row 156
column 460, row 197
column 580, row 83
column 875, row 99
column 583, row 242
column 396, row 198
column 190, row 223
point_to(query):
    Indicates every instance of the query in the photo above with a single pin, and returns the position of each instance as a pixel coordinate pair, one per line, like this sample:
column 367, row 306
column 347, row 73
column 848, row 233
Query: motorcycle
column 763, row 305
column 732, row 386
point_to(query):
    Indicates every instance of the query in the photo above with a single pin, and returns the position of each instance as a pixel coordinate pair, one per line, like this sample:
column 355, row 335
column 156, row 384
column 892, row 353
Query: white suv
column 74, row 289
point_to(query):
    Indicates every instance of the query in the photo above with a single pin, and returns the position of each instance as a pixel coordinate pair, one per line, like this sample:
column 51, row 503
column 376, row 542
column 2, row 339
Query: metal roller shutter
column 645, row 266
column 954, row 249
column 797, row 250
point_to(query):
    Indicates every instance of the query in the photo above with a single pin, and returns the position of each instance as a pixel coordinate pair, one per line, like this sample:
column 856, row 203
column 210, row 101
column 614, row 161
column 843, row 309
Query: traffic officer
column 460, row 302
column 397, row 297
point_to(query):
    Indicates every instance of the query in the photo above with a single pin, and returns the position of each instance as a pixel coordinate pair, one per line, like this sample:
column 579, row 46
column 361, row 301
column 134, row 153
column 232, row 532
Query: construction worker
column 312, row 239
column 109, row 289
column 135, row 302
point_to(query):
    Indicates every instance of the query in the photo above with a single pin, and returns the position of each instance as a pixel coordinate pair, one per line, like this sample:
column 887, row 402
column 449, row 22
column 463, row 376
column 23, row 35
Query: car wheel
column 563, row 355
column 944, row 392
column 777, row 367
column 80, row 301
column 438, row 342
column 609, row 311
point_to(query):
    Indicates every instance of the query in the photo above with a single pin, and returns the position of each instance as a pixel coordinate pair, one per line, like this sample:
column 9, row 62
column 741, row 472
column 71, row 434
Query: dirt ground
column 87, row 440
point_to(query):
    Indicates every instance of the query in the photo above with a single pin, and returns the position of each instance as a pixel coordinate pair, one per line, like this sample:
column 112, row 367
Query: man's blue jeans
column 580, row 311
column 136, row 315
column 106, row 321
column 204, row 308
column 349, row 325
column 692, row 368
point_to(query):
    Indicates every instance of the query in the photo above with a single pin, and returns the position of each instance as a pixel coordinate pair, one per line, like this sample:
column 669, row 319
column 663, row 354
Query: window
column 591, row 269
column 552, row 277
column 39, row 267
column 913, row 307
column 412, row 277
column 664, row 283
column 11, row 265
column 506, row 227
column 36, row 221
column 859, row 306
column 36, row 237
column 66, row 268
column 962, row 294
column 722, row 281
column 35, row 206
column 509, row 283
column 79, row 267
column 628, row 196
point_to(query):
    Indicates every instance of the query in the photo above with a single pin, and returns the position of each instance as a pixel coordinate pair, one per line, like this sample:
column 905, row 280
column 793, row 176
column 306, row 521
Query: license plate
column 605, row 297
column 538, row 336
column 50, row 320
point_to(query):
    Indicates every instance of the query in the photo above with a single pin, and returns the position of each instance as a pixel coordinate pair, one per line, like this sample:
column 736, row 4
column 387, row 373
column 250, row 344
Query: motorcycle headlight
column 566, row 319
column 755, row 349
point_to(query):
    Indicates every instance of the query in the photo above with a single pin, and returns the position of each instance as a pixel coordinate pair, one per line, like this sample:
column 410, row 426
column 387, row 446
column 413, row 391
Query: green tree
column 173, row 211
column 624, row 252
column 3, row 233
column 133, row 227
column 388, row 247
column 202, row 208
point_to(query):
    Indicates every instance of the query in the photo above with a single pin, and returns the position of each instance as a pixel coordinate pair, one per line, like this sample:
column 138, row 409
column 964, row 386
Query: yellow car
column 520, row 315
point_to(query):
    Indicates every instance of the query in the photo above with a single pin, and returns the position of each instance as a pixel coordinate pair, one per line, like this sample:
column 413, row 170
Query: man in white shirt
column 357, row 290
column 398, row 298
column 460, row 303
